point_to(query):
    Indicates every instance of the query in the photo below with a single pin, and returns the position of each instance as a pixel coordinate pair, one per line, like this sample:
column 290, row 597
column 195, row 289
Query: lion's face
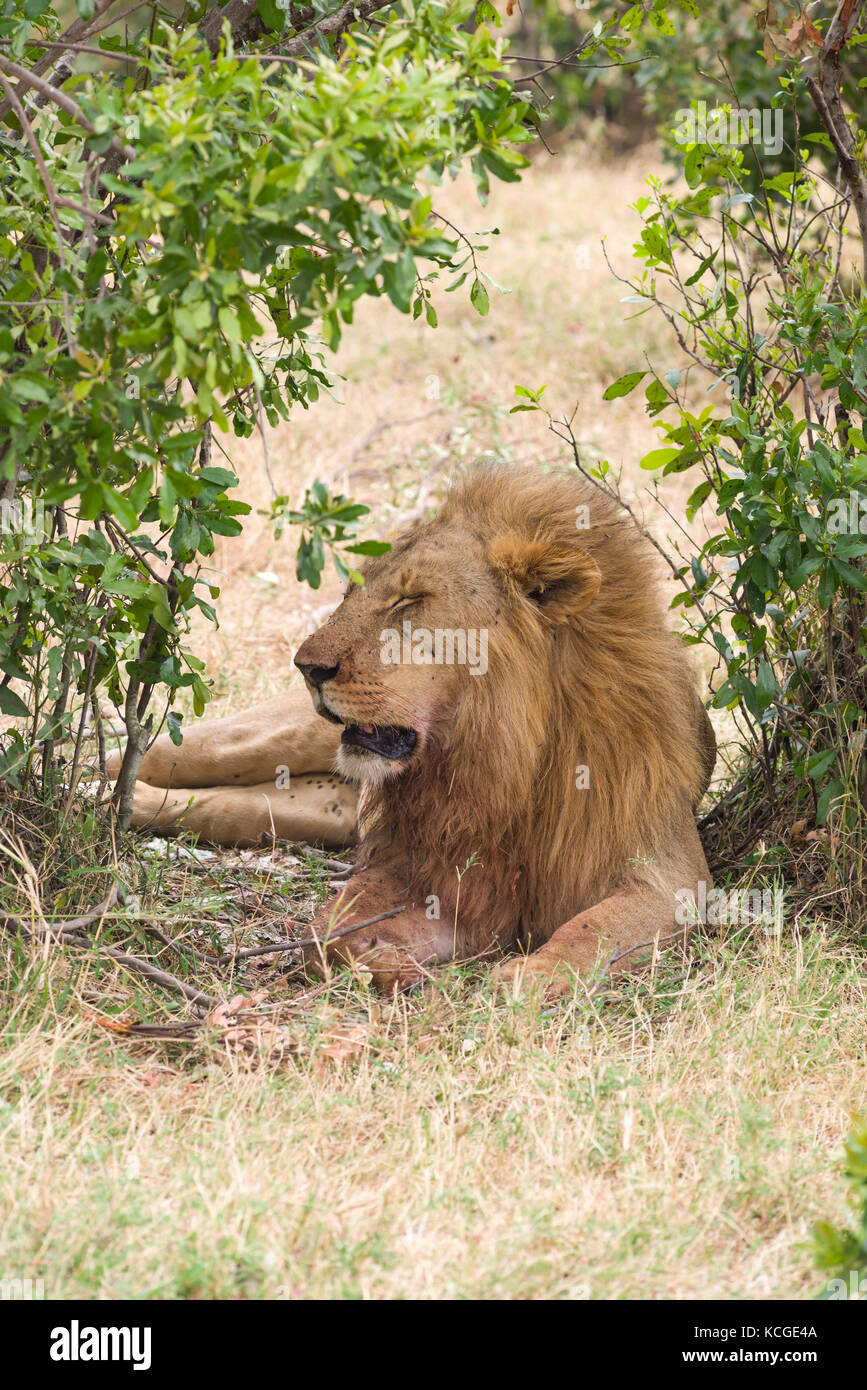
column 393, row 662
column 444, row 611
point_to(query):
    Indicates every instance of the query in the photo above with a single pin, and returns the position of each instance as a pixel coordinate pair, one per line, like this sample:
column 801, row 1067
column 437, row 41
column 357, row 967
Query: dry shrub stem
column 67, row 934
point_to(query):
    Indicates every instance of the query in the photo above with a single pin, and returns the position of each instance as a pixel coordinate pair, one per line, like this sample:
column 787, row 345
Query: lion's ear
column 560, row 579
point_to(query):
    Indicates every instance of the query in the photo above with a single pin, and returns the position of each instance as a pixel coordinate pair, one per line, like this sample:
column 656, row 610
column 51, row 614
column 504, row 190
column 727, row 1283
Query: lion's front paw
column 390, row 967
column 539, row 972
column 384, row 964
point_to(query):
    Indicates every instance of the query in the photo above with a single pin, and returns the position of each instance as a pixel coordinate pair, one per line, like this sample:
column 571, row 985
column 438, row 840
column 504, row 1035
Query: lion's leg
column 626, row 919
column 316, row 809
column 244, row 749
column 639, row 913
column 398, row 950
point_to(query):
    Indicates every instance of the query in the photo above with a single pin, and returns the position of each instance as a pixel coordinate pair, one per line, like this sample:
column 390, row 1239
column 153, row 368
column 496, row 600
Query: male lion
column 541, row 799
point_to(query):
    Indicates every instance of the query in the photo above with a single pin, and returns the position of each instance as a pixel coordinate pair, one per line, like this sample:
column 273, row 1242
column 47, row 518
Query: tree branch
column 827, row 98
column 66, row 934
column 58, row 98
column 78, row 29
column 246, row 25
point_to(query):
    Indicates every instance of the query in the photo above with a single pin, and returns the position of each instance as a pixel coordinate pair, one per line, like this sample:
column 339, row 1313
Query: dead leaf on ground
column 157, row 1078
column 261, row 1038
column 111, row 1025
column 345, row 1041
column 226, row 1014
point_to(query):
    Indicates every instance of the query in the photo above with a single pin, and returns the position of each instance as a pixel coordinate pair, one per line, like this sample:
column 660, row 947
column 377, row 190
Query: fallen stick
column 299, row 943
column 66, row 934
column 74, row 924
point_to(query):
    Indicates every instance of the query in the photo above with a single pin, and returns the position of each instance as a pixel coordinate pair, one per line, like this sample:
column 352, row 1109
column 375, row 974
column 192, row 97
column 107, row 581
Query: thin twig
column 50, row 192
column 66, row 934
column 654, row 941
column 58, row 98
column 300, row 943
column 78, row 29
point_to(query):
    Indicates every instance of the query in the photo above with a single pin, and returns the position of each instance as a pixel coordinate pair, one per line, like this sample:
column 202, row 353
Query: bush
column 670, row 55
column 179, row 241
column 767, row 407
column 843, row 1251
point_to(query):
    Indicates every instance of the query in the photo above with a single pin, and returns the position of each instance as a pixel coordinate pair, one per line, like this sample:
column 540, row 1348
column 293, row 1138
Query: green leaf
column 623, row 385
column 658, row 458
column 161, row 610
column 829, row 795
column 848, row 574
column 399, row 280
column 697, row 498
column 479, row 298
column 223, row 477
column 173, row 720
column 766, row 686
column 273, row 15
column 12, row 704
column 818, row 764
column 370, row 548
column 230, row 324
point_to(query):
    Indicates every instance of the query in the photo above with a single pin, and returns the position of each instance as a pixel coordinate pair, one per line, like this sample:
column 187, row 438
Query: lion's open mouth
column 389, row 742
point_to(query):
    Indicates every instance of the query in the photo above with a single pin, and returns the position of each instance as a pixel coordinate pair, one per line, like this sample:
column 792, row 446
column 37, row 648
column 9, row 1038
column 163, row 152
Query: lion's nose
column 317, row 675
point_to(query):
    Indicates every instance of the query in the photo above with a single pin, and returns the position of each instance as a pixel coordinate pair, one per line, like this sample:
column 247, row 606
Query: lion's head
column 437, row 615
column 491, row 654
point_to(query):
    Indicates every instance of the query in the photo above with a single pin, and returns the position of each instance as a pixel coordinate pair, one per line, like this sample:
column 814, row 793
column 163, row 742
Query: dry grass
column 675, row 1141
column 673, row 1137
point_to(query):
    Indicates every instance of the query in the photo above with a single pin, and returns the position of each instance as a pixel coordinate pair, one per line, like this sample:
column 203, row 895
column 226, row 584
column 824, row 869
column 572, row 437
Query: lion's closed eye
column 405, row 601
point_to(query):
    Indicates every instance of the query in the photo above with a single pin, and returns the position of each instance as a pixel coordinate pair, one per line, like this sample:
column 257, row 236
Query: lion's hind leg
column 313, row 809
column 281, row 736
